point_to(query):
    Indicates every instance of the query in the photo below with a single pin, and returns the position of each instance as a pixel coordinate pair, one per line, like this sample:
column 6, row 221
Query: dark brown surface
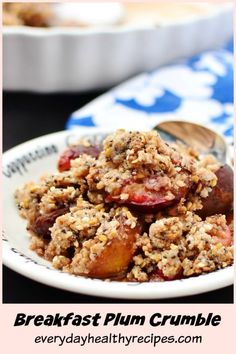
column 26, row 116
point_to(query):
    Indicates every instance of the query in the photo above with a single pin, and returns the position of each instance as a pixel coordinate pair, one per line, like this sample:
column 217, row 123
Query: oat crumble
column 132, row 209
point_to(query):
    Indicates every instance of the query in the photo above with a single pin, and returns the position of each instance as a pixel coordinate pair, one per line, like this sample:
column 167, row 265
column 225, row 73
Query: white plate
column 22, row 164
column 74, row 59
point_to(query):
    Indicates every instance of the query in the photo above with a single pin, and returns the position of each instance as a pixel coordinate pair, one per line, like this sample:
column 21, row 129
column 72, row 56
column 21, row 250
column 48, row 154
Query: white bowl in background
column 61, row 59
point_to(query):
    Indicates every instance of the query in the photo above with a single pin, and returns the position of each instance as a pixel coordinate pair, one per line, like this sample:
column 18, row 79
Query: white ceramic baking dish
column 74, row 59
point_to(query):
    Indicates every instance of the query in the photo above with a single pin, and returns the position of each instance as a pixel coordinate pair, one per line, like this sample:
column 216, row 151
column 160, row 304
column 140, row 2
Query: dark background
column 26, row 116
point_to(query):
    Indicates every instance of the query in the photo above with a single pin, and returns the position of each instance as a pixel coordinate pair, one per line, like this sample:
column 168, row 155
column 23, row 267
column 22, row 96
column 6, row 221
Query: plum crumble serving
column 135, row 208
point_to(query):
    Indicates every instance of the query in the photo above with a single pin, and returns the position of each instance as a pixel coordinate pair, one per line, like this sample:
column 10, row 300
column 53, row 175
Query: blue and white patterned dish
column 198, row 90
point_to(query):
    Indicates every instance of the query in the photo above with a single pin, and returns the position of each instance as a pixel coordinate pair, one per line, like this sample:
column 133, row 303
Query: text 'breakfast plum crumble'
column 133, row 209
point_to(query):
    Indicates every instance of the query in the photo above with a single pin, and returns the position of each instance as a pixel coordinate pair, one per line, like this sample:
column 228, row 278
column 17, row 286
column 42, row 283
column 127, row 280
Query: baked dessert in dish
column 83, row 14
column 134, row 208
column 27, row 14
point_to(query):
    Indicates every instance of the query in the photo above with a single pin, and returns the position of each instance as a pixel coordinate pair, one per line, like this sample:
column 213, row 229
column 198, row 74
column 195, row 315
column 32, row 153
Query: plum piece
column 221, row 230
column 230, row 218
column 42, row 223
column 220, row 200
column 74, row 152
column 142, row 196
column 117, row 254
column 222, row 235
